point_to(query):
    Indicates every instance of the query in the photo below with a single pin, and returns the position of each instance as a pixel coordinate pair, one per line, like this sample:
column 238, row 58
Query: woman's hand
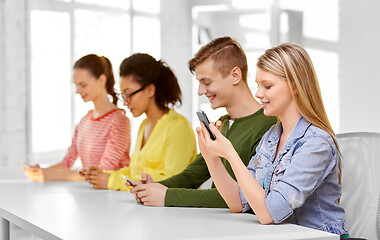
column 95, row 176
column 38, row 174
column 212, row 150
column 53, row 173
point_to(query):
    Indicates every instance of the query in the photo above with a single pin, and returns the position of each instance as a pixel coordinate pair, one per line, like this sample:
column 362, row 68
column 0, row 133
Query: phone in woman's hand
column 203, row 118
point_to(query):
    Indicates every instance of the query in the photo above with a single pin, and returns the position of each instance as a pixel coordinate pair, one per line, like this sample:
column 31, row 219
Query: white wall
column 176, row 46
column 2, row 59
column 13, row 82
column 359, row 51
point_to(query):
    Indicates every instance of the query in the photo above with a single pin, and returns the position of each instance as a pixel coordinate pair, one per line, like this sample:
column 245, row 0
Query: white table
column 73, row 210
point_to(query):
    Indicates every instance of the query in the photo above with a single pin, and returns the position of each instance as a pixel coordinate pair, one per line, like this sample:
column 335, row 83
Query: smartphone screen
column 129, row 180
column 203, row 118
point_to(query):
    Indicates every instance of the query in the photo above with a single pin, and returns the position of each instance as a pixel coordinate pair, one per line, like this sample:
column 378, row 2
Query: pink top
column 102, row 141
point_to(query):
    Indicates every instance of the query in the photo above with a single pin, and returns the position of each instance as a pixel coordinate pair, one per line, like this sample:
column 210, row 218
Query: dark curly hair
column 147, row 70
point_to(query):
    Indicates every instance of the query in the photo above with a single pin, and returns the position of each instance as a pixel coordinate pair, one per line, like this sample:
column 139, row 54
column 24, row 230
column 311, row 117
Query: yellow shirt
column 170, row 148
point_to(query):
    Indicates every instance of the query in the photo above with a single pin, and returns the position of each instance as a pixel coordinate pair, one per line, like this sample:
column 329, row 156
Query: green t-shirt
column 244, row 134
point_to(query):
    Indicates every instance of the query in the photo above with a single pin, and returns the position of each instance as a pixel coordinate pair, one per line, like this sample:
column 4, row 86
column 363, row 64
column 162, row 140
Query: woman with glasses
column 165, row 142
column 102, row 137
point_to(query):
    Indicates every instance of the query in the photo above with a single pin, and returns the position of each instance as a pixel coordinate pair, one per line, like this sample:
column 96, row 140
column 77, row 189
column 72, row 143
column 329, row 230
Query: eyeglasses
column 127, row 97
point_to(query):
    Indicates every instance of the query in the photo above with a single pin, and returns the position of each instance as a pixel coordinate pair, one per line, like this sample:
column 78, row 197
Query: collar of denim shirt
column 298, row 132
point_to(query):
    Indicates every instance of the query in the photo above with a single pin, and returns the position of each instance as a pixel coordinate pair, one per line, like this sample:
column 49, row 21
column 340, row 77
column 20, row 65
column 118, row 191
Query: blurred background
column 41, row 39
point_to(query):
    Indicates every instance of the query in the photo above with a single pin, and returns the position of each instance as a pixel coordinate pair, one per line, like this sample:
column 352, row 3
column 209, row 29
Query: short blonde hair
column 292, row 62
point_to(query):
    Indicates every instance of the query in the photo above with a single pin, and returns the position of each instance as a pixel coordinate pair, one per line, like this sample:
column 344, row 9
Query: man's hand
column 145, row 178
column 96, row 177
column 150, row 194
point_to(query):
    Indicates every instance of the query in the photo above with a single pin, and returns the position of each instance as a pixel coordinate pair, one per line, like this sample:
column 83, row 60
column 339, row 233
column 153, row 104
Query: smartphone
column 28, row 166
column 130, row 181
column 203, row 118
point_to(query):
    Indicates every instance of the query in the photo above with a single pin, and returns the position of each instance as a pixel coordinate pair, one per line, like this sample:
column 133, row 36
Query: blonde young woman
column 295, row 174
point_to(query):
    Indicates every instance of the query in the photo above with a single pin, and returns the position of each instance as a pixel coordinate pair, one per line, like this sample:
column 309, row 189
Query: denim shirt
column 301, row 184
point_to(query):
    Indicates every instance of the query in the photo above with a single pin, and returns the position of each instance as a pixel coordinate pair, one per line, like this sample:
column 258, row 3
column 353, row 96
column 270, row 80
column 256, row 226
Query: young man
column 221, row 69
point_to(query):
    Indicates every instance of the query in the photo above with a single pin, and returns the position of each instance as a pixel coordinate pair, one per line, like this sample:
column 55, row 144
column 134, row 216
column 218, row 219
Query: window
column 259, row 25
column 320, row 37
column 62, row 31
column 246, row 21
column 103, row 33
column 50, row 80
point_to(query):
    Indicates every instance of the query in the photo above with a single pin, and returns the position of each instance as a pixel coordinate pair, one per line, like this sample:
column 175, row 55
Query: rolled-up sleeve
column 278, row 208
column 310, row 164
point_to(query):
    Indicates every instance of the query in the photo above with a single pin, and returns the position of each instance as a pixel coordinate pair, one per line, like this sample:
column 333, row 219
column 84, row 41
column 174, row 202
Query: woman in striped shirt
column 102, row 137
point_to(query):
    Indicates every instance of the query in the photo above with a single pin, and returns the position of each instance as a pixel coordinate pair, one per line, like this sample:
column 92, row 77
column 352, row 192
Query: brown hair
column 147, row 70
column 226, row 53
column 97, row 66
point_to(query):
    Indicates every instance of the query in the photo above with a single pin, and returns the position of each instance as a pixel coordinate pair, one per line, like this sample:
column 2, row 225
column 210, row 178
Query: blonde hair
column 292, row 62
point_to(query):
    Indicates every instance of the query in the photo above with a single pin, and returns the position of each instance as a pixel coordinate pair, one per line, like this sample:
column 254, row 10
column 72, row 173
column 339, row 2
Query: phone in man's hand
column 130, row 181
column 203, row 118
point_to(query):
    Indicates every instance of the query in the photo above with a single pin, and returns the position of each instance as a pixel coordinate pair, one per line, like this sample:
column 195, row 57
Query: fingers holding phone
column 129, row 182
column 203, row 118
column 219, row 147
column 31, row 167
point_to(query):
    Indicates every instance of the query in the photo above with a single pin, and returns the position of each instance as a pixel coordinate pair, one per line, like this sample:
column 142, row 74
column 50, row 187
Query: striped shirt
column 102, row 141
